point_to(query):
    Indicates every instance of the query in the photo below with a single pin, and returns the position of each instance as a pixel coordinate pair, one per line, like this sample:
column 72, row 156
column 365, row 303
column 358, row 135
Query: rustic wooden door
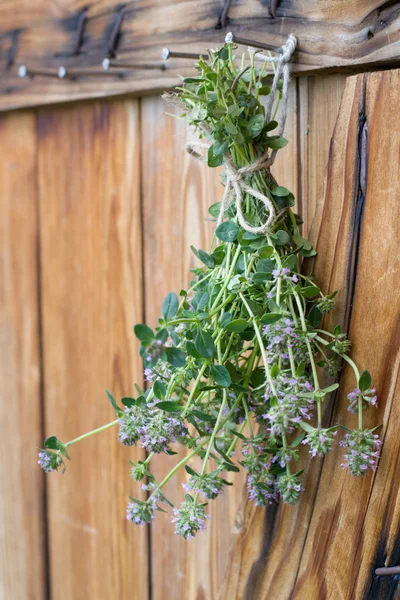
column 99, row 205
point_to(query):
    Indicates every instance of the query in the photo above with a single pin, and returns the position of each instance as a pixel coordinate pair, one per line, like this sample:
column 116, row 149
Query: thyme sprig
column 238, row 357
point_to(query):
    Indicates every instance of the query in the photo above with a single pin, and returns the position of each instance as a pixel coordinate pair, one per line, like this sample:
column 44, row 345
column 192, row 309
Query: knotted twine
column 235, row 184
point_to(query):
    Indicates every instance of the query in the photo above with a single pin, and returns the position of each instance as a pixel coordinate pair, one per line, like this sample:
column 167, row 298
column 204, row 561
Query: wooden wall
column 99, row 205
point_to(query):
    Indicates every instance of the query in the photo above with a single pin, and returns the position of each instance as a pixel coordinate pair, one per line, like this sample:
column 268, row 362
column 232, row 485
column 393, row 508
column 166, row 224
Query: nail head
column 106, row 64
column 22, row 71
column 165, row 53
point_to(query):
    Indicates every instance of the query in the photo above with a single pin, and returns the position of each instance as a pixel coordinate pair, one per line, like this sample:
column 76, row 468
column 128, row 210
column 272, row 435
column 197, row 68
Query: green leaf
column 276, row 143
column 214, row 160
column 330, row 388
column 126, row 401
column 190, row 471
column 204, row 344
column 227, row 231
column 206, row 259
column 115, row 406
column 261, row 276
column 280, row 191
column 258, row 377
column 144, row 334
column 191, row 350
column 265, row 252
column 230, row 128
column 237, row 325
column 280, row 237
column 159, row 389
column 175, row 357
column 271, row 126
column 315, row 317
column 297, row 441
column 170, row 305
column 169, row 406
column 310, row 291
column 308, row 428
column 221, row 375
column 275, row 370
column 220, row 148
column 203, row 416
column 255, row 125
column 226, row 318
column 364, row 383
column 270, row 318
column 52, row 443
column 215, row 209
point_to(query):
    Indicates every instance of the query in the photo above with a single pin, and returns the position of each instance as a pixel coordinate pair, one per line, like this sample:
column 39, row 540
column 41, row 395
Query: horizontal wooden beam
column 334, row 34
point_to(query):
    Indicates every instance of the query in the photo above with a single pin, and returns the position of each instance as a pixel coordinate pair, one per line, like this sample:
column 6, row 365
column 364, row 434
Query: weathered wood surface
column 343, row 528
column 22, row 511
column 91, row 294
column 43, row 35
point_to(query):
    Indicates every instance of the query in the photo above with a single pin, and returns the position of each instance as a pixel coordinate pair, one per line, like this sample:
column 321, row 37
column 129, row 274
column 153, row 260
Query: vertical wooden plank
column 177, row 191
column 318, row 104
column 89, row 186
column 22, row 517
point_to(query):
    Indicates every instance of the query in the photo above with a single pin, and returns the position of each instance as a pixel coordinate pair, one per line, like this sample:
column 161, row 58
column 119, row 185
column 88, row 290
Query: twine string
column 235, row 185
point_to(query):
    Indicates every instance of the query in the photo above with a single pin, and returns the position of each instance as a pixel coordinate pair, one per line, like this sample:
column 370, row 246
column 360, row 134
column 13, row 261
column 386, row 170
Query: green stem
column 260, row 343
column 89, row 433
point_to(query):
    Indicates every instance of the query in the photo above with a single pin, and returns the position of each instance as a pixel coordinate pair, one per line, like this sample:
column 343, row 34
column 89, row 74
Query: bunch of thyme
column 236, row 357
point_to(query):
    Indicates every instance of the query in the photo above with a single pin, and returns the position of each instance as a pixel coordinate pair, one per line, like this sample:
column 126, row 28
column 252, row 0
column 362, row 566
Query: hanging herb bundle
column 235, row 359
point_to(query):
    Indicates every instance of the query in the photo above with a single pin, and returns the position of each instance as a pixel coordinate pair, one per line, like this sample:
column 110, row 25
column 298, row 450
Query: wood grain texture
column 329, row 545
column 177, row 191
column 22, row 517
column 319, row 100
column 331, row 34
column 89, row 187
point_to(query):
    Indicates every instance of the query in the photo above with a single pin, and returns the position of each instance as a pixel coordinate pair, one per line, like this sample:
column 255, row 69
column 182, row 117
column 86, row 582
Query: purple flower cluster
column 285, row 273
column 284, row 455
column 281, row 336
column 362, row 451
column 262, row 491
column 290, row 488
column 140, row 513
column 129, row 425
column 290, row 408
column 368, row 397
column 320, row 441
column 154, row 350
column 49, row 461
column 209, row 485
column 155, row 430
column 158, row 431
column 189, row 519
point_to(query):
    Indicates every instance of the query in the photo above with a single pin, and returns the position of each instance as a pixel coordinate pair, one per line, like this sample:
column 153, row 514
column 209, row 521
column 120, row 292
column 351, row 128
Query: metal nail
column 108, row 64
column 274, row 7
column 223, row 19
column 80, row 32
column 24, row 71
column 388, row 571
column 232, row 38
column 113, row 40
column 166, row 53
column 64, row 73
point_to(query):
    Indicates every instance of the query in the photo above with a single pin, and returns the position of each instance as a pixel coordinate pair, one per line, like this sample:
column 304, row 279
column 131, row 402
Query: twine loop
column 235, row 178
